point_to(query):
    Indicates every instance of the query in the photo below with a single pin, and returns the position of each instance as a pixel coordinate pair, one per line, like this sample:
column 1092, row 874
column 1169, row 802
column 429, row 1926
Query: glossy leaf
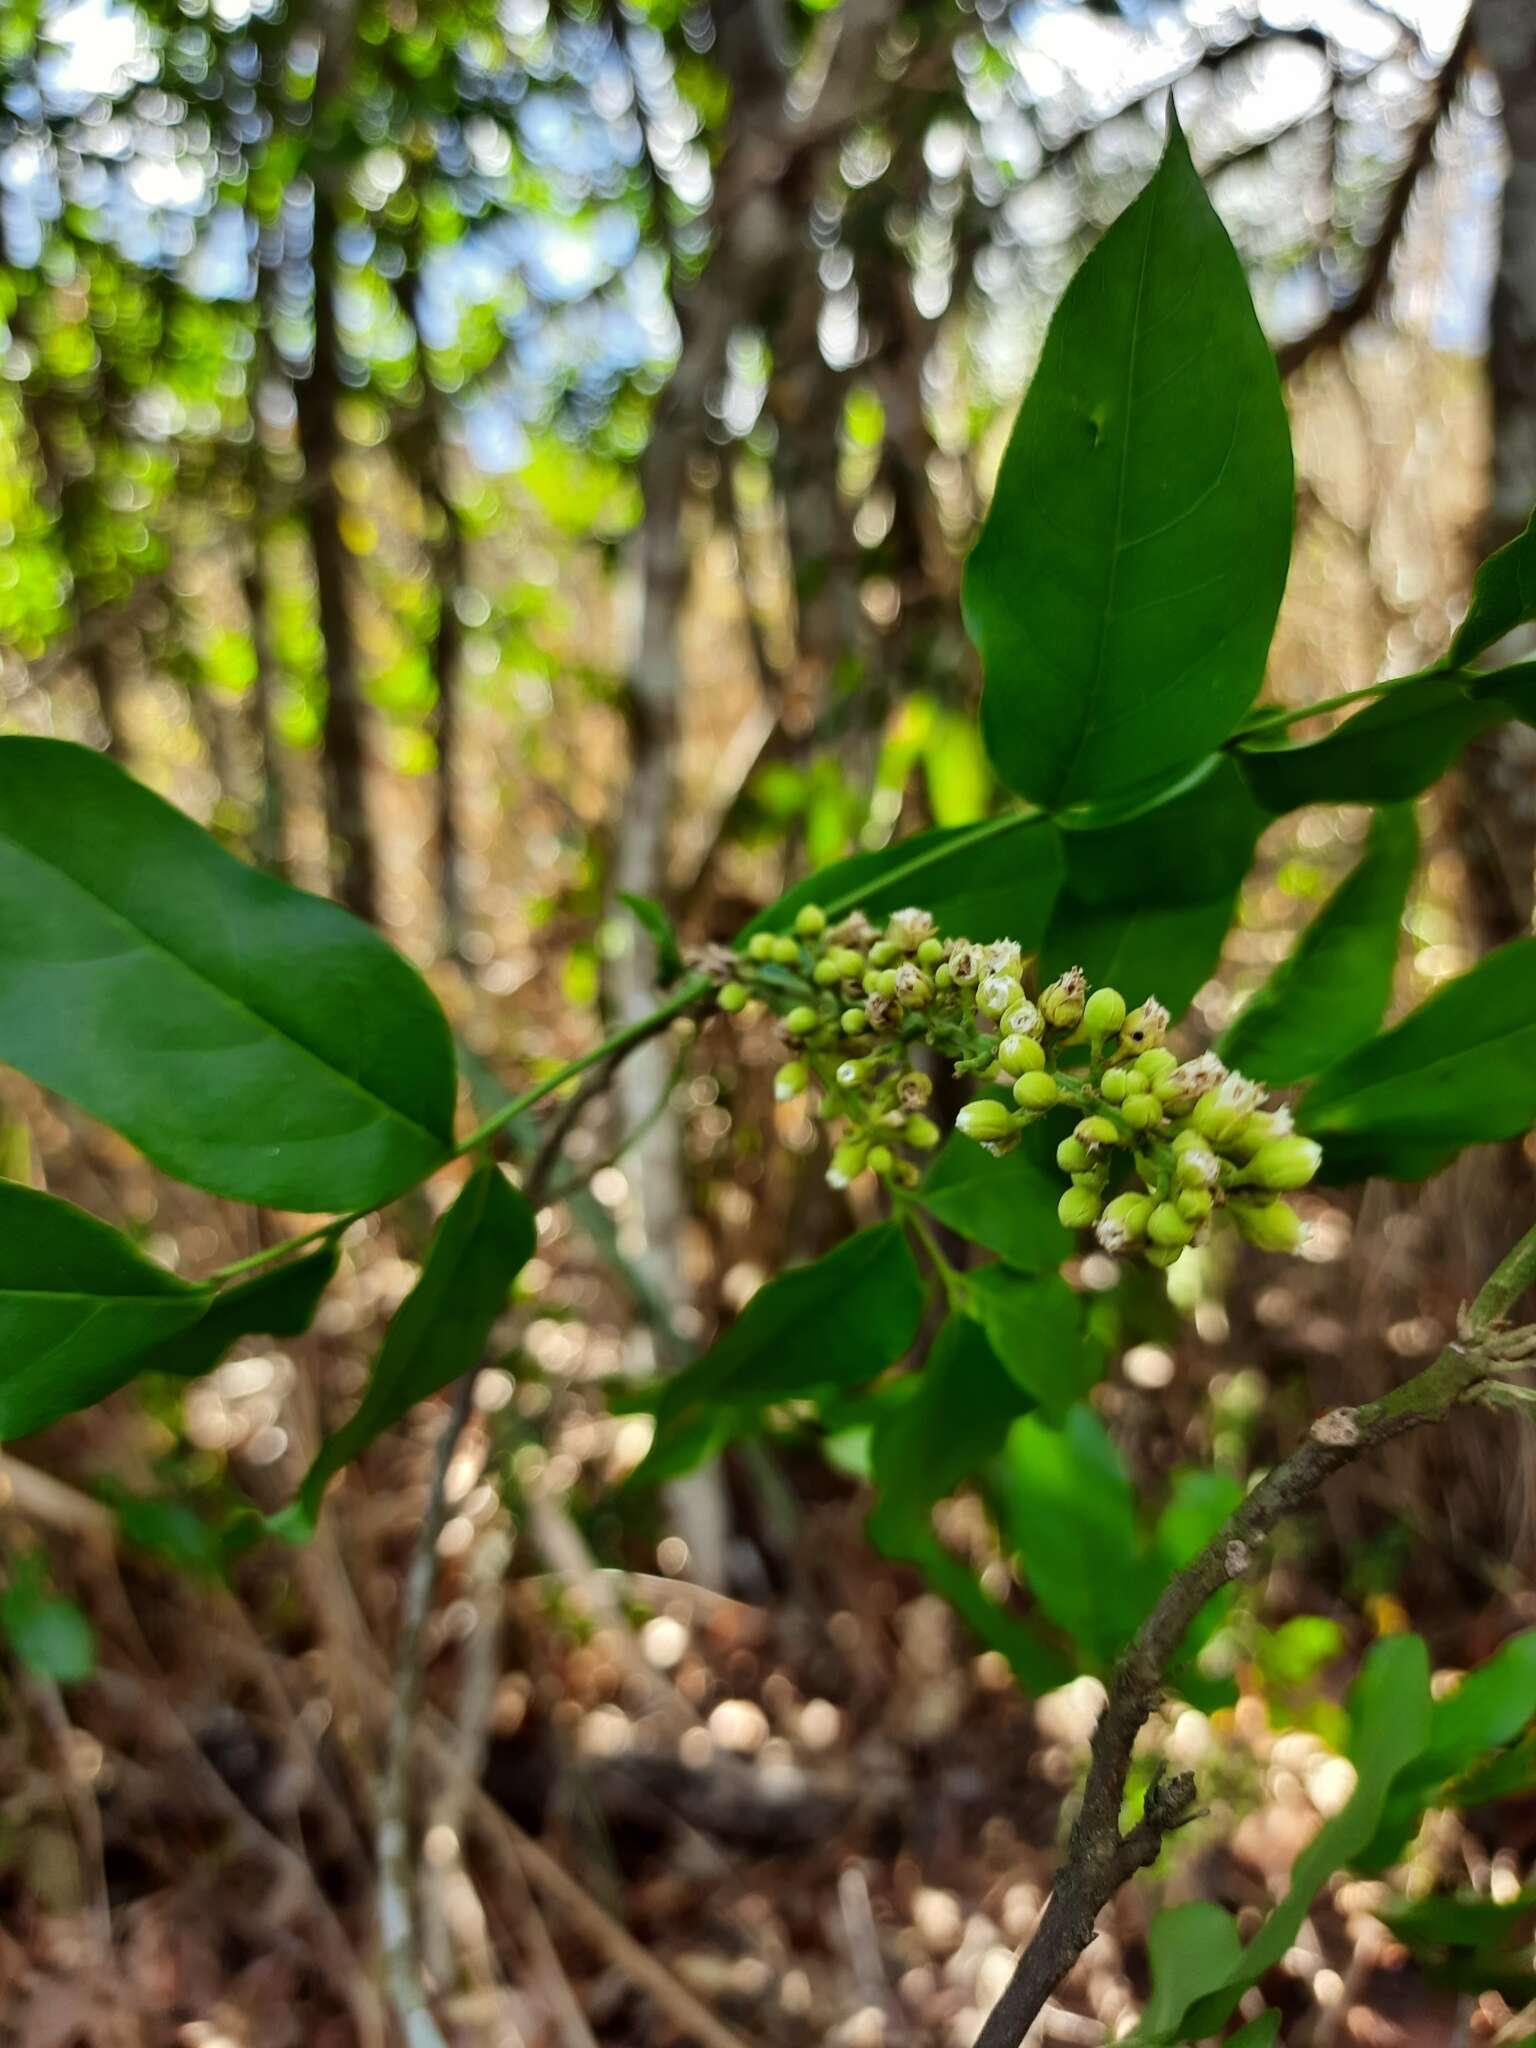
column 1034, row 1323
column 1191, row 847
column 281, row 1303
column 1459, row 1070
column 1126, row 582
column 994, row 880
column 835, row 1322
column 1008, row 1204
column 1503, row 597
column 1145, row 950
column 253, row 1040
column 78, row 1309
column 1328, row 994
column 440, row 1330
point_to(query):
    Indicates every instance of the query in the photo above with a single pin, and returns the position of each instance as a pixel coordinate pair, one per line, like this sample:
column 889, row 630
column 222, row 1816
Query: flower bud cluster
column 1159, row 1149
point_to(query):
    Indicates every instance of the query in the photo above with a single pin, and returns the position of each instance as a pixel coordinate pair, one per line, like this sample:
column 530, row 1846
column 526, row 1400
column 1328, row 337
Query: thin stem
column 1283, row 715
column 950, row 1277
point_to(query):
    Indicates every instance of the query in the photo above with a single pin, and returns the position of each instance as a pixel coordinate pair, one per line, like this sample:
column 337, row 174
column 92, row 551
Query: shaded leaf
column 1008, row 1204
column 655, row 921
column 1125, row 585
column 1034, row 1324
column 1385, row 754
column 1329, row 992
column 1190, row 847
column 439, row 1331
column 952, row 1425
column 49, row 1636
column 274, row 1304
column 1142, row 951
column 253, row 1040
column 78, row 1309
column 1503, row 597
column 1459, row 1070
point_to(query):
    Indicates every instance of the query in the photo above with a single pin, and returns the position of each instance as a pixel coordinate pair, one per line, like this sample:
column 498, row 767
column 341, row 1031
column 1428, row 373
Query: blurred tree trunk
column 1497, row 822
column 346, row 775
column 270, row 847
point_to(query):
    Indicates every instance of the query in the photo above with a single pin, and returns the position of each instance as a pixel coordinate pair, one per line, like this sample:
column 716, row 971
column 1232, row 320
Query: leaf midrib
column 230, row 1001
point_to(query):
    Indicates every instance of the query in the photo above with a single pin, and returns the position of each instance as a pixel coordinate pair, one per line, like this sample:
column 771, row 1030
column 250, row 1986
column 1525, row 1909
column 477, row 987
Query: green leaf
column 1459, row 1070
column 1328, row 994
column 1125, row 585
column 253, row 1040
column 281, row 1303
column 1068, row 1509
column 1456, row 1920
column 835, row 1322
column 655, row 921
column 1034, row 1323
column 1390, row 1711
column 49, row 1636
column 951, row 1426
column 1262, row 2032
column 1142, row 951
column 78, row 1308
column 1190, row 1950
column 1393, row 749
column 440, row 1329
column 988, row 881
column 1193, row 846
column 1297, row 1651
column 1503, row 597
column 1008, row 1204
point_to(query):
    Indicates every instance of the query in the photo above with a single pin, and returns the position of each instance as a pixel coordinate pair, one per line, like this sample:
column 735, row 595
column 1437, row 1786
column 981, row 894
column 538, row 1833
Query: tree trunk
column 345, row 755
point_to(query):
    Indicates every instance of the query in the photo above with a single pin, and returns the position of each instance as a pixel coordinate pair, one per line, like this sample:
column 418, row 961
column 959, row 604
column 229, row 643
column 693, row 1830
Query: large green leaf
column 439, row 1331
column 1007, row 1204
column 834, row 1323
column 1034, row 1323
column 1328, row 994
column 275, row 1304
column 1503, row 597
column 1192, row 846
column 953, row 1424
column 988, row 881
column 78, row 1308
column 1459, row 1070
column 1125, row 585
column 253, row 1040
column 1152, row 950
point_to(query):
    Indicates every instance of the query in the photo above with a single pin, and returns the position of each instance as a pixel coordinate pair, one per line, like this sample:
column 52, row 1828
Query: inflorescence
column 1161, row 1148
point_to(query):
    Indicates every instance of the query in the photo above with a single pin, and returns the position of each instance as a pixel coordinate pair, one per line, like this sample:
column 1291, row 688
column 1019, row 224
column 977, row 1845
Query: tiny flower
column 913, row 986
column 1096, row 1131
column 1130, row 1212
column 909, row 928
column 790, row 1081
column 851, row 1073
column 986, row 1121
column 964, row 963
column 1104, row 1012
column 997, row 994
column 922, row 1132
column 1217, row 1114
column 1004, row 956
column 1061, row 1004
column 1181, row 1089
column 1019, row 1055
column 1196, row 1167
column 848, row 1162
column 914, row 1090
column 1166, row 1226
column 884, row 1013
column 1145, row 1028
column 1024, row 1020
column 855, row 930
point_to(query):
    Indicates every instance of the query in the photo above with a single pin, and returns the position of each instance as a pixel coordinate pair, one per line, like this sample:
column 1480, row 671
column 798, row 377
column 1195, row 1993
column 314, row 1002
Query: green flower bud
column 881, row 1159
column 1284, row 1163
column 853, row 1021
column 733, row 998
column 851, row 1073
column 942, row 978
column 760, row 946
column 1217, row 1115
column 912, row 986
column 1019, row 1055
column 870, row 981
column 1182, row 1087
column 1095, row 1131
column 922, row 1132
column 1124, row 1222
column 850, row 964
column 930, row 953
column 1036, row 1091
column 801, row 1020
column 1104, row 1012
column 1166, row 1226
column 848, row 1162
column 905, row 1173
column 1156, row 1063
column 1142, row 1112
column 1115, row 1086
column 1195, row 1203
column 1164, row 1254
column 998, row 993
column 1073, row 1156
column 1135, row 1084
column 790, row 1081
column 1145, row 1028
column 1272, row 1226
column 1078, row 1208
column 986, row 1121
column 1061, row 1004
column 1195, row 1166
column 826, row 971
column 810, row 920
column 786, row 951
column 883, row 953
column 908, row 929
column 1094, row 1178
column 1024, row 1021
column 1258, row 1129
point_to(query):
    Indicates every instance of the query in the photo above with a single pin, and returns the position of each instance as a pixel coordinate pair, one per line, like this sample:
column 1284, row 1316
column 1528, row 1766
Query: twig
column 1100, row 1858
